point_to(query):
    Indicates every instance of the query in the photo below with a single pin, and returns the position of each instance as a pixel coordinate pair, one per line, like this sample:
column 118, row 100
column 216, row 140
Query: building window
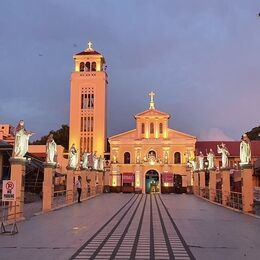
column 87, row 66
column 81, row 66
column 93, row 66
column 127, row 158
column 87, row 101
column 152, row 128
column 152, row 153
column 177, row 158
column 143, row 128
column 161, row 128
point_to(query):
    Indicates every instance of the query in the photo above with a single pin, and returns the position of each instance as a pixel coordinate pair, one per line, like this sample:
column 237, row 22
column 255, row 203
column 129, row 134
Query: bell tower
column 88, row 102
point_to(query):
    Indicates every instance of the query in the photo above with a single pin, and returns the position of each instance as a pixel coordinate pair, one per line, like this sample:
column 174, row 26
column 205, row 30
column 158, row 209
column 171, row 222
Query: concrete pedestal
column 70, row 185
column 225, row 175
column 212, row 185
column 196, row 183
column 48, row 186
column 247, row 188
column 17, row 175
column 202, row 183
column 83, row 175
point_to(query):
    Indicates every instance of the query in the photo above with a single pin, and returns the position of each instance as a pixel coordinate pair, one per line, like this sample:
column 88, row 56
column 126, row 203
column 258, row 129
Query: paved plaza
column 128, row 226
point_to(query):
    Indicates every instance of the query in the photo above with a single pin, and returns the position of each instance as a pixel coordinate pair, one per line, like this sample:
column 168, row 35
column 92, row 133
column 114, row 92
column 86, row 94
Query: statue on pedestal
column 51, row 150
column 245, row 150
column 73, row 157
column 192, row 160
column 100, row 163
column 201, row 161
column 21, row 141
column 138, row 157
column 165, row 158
column 95, row 161
column 225, row 153
column 85, row 160
column 210, row 157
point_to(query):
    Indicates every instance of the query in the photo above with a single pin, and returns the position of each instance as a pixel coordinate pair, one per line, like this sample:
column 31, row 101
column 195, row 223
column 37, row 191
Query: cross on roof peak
column 90, row 46
column 152, row 94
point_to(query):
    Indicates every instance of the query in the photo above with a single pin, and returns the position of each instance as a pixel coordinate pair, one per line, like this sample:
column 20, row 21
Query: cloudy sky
column 202, row 58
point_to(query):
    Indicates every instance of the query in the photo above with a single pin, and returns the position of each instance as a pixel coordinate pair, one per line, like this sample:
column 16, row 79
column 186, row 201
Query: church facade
column 152, row 157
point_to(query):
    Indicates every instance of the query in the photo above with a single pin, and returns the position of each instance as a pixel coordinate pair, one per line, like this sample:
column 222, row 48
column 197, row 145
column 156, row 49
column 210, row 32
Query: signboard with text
column 9, row 191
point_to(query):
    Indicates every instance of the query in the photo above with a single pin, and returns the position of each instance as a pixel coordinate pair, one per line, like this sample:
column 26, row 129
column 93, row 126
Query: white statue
column 245, row 150
column 51, row 149
column 225, row 153
column 192, row 160
column 210, row 158
column 138, row 157
column 95, row 161
column 21, row 140
column 165, row 158
column 100, row 163
column 73, row 157
column 85, row 160
column 193, row 165
column 201, row 161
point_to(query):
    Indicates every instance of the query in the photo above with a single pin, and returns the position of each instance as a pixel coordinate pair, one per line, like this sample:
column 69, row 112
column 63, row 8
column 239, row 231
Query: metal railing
column 235, row 200
column 206, row 193
column 65, row 197
column 218, row 197
column 9, row 213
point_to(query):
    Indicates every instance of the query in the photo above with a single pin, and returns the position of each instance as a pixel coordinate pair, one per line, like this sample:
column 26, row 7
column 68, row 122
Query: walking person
column 79, row 188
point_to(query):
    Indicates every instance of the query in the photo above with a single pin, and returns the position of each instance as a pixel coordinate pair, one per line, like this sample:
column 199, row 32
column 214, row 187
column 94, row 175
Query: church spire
column 152, row 94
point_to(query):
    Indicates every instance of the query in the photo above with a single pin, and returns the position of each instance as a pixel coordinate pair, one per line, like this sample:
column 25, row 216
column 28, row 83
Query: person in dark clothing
column 79, row 188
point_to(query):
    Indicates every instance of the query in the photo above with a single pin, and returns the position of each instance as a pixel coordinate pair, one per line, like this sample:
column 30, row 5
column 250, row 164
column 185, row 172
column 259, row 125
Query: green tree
column 61, row 137
column 254, row 134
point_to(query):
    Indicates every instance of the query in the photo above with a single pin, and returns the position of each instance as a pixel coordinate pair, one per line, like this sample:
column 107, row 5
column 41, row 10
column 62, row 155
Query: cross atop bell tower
column 152, row 94
column 90, row 45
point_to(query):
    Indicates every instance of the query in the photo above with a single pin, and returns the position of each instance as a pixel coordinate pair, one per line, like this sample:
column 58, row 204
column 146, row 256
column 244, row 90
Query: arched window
column 177, row 158
column 87, row 66
column 152, row 153
column 152, row 128
column 161, row 128
column 127, row 158
column 143, row 128
column 81, row 66
column 93, row 66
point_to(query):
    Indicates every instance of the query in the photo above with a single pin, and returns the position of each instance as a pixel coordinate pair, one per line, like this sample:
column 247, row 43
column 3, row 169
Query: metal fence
column 218, row 197
column 206, row 193
column 235, row 200
column 65, row 197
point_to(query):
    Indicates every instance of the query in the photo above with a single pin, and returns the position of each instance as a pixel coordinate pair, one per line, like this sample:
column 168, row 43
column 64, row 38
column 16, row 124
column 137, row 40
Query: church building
column 152, row 157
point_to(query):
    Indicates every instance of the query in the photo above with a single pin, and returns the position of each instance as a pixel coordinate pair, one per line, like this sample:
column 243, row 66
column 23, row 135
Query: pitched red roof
column 88, row 53
column 232, row 146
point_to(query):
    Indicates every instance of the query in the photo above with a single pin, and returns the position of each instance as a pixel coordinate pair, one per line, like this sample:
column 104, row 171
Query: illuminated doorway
column 152, row 181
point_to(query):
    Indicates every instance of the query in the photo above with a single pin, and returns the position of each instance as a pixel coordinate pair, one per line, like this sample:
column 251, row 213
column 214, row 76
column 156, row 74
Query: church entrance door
column 177, row 183
column 152, row 181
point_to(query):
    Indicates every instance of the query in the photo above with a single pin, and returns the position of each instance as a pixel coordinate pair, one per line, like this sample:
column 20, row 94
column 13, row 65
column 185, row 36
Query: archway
column 152, row 181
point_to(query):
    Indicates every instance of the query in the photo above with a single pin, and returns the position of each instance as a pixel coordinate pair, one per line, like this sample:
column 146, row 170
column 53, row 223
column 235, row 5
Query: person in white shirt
column 79, row 188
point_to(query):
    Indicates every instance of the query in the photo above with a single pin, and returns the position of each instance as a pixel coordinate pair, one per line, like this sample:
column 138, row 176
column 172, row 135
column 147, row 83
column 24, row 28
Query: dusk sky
column 202, row 59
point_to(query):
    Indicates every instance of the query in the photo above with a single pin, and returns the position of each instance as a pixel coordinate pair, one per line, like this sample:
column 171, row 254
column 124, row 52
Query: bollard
column 225, row 175
column 48, row 186
column 247, row 188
